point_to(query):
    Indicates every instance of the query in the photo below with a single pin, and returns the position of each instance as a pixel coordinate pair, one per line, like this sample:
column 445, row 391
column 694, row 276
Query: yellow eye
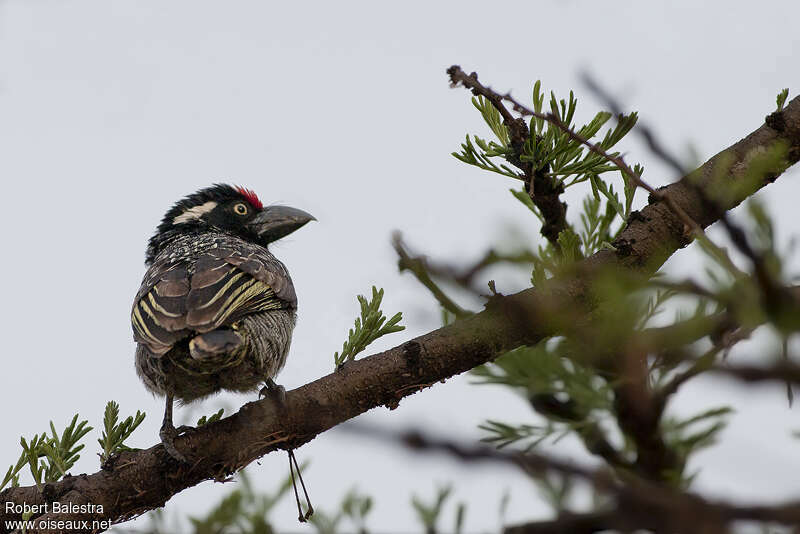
column 240, row 209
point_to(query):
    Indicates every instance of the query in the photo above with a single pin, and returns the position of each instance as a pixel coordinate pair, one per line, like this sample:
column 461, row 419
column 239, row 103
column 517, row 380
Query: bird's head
column 231, row 209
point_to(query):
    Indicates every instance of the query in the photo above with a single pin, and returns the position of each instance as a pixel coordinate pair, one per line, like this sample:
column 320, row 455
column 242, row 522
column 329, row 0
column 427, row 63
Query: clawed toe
column 168, row 435
column 276, row 391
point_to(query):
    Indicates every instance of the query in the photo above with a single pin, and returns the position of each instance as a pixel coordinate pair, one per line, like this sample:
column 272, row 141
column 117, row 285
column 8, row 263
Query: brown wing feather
column 262, row 266
column 219, row 287
column 159, row 311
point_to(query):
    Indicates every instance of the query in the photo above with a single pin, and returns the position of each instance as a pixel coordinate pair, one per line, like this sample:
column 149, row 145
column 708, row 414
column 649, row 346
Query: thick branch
column 142, row 480
column 635, row 503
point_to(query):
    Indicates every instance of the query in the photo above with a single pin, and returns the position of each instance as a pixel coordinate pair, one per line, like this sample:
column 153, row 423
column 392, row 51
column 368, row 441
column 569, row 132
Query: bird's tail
column 215, row 350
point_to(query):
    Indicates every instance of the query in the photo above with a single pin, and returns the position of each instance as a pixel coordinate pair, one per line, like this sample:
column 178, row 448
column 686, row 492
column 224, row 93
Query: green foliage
column 749, row 292
column 211, row 418
column 502, row 434
column 493, row 120
column 247, row 510
column 48, row 457
column 595, row 230
column 570, row 245
column 447, row 317
column 370, row 326
column 600, row 225
column 32, row 452
column 781, row 98
column 429, row 514
column 525, row 198
column 114, row 432
column 557, row 490
column 12, row 475
column 546, row 369
column 685, row 438
column 62, row 452
column 762, row 236
column 505, row 500
column 482, row 157
column 243, row 511
column 550, row 153
column 547, row 147
column 561, row 377
column 51, row 457
column 354, row 507
column 550, row 150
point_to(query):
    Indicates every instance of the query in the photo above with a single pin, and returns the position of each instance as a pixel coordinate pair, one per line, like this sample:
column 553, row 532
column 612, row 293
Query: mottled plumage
column 216, row 309
column 200, row 283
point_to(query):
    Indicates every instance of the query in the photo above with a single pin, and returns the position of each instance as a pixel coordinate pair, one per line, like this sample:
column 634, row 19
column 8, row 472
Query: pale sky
column 112, row 110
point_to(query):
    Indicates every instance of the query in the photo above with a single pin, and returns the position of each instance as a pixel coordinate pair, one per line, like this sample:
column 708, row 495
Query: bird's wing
column 218, row 288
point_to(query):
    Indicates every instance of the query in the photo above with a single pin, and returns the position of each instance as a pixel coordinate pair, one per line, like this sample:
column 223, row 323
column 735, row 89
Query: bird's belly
column 188, row 380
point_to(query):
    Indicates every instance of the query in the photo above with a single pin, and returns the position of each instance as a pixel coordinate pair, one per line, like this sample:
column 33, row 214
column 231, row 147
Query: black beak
column 275, row 222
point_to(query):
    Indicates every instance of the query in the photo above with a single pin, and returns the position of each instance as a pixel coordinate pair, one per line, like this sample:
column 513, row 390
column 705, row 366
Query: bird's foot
column 168, row 434
column 274, row 391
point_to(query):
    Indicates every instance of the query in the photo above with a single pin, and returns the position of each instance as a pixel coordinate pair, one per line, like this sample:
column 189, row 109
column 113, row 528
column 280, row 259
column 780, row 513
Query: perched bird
column 216, row 309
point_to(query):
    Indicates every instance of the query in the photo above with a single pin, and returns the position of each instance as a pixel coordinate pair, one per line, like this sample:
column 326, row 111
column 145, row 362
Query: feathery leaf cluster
column 371, row 325
column 550, row 150
column 48, row 457
column 114, row 432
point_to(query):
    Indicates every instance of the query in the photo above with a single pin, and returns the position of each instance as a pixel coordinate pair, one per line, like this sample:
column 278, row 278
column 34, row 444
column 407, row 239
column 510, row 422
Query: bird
column 215, row 309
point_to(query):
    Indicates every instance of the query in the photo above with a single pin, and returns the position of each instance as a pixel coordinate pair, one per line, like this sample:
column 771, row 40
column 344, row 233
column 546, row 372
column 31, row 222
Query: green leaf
column 12, row 475
column 525, row 198
column 428, row 514
column 570, row 245
column 781, row 98
column 210, row 419
column 492, row 118
column 114, row 433
column 371, row 325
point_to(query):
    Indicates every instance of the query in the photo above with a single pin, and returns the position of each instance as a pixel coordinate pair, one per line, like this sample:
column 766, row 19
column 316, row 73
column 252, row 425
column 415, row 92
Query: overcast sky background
column 112, row 110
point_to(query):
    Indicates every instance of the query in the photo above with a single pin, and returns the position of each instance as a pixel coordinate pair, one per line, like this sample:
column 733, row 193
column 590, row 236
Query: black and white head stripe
column 195, row 212
column 190, row 211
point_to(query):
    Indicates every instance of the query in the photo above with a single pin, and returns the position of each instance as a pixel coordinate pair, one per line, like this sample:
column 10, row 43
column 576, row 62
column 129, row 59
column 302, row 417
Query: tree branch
column 138, row 481
column 418, row 265
column 637, row 503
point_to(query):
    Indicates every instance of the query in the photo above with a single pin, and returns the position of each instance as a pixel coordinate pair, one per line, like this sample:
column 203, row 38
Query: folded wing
column 219, row 287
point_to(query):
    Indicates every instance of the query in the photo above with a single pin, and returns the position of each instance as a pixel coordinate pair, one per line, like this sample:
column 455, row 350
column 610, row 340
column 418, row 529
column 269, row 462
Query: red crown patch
column 251, row 196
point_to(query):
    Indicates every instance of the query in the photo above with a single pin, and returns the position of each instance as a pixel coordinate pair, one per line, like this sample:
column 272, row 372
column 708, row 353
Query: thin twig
column 647, row 133
column 419, row 268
